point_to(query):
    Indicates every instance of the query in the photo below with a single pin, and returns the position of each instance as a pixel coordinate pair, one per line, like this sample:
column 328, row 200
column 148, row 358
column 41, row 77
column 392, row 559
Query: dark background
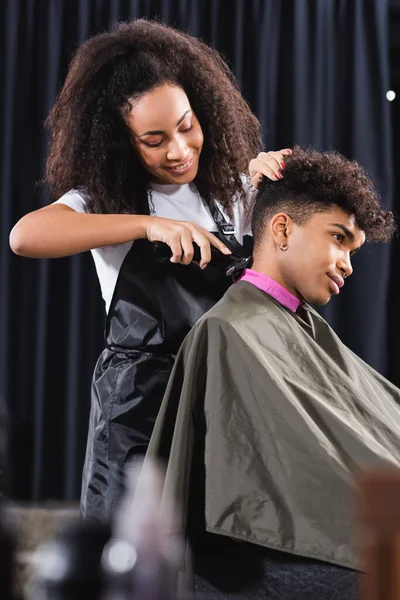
column 314, row 71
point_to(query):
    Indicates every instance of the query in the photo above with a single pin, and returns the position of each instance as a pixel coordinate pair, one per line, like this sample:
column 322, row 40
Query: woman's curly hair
column 317, row 181
column 91, row 146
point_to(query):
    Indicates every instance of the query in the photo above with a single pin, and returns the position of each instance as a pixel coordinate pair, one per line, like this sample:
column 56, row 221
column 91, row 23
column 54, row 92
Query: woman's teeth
column 181, row 167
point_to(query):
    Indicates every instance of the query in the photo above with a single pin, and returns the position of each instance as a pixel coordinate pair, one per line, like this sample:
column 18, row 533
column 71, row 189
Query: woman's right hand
column 180, row 235
column 58, row 230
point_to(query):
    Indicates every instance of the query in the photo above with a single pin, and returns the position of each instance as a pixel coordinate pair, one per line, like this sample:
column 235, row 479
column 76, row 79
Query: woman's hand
column 267, row 164
column 180, row 235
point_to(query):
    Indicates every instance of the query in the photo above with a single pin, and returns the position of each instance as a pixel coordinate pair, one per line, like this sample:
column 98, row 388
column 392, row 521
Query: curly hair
column 91, row 147
column 317, row 181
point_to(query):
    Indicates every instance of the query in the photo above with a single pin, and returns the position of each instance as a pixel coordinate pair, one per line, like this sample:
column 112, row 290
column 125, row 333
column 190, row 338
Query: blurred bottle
column 69, row 567
column 143, row 559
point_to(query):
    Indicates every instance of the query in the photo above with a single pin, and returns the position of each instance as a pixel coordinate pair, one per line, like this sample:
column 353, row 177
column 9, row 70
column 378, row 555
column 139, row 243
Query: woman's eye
column 187, row 129
column 158, row 144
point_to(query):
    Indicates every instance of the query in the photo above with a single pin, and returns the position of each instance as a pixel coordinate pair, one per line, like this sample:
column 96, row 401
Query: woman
column 150, row 141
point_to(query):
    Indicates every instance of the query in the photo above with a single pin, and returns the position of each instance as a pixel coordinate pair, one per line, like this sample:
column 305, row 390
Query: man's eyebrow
column 349, row 233
column 159, row 132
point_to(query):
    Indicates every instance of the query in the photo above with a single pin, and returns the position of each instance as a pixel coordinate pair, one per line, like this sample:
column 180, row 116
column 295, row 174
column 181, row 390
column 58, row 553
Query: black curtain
column 314, row 71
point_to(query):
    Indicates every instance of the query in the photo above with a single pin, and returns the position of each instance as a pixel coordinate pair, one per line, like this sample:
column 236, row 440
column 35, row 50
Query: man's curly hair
column 91, row 146
column 316, row 182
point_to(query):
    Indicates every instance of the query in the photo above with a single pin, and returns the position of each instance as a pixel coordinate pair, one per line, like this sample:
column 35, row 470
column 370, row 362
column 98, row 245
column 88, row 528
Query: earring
column 283, row 247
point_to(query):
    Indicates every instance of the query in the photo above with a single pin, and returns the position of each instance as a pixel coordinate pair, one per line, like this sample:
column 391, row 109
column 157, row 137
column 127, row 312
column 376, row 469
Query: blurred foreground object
column 7, row 534
column 69, row 567
column 379, row 513
column 7, row 554
column 144, row 557
column 137, row 558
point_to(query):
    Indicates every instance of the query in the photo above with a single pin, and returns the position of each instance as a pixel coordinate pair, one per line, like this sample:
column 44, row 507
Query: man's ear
column 280, row 225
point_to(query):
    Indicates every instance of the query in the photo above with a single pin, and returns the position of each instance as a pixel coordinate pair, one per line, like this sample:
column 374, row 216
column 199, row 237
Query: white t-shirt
column 180, row 202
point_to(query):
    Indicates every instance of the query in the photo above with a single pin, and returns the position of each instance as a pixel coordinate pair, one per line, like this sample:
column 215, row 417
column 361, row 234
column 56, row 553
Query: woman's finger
column 257, row 179
column 273, row 159
column 174, row 243
column 187, row 246
column 257, row 167
column 263, row 167
column 280, row 156
column 214, row 241
column 205, row 248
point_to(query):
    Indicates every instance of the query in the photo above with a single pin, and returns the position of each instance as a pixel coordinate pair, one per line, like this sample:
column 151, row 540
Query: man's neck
column 271, row 270
column 272, row 288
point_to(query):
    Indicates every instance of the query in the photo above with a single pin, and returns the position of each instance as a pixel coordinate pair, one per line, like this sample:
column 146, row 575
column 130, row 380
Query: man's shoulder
column 239, row 305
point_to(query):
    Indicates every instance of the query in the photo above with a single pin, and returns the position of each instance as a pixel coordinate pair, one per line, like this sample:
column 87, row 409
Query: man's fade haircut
column 317, row 182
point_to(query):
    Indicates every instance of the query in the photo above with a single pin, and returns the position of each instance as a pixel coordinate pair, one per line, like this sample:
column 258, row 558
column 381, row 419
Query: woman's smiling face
column 166, row 134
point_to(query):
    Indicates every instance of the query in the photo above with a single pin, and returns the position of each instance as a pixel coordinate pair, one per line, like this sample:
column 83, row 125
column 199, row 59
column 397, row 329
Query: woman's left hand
column 268, row 164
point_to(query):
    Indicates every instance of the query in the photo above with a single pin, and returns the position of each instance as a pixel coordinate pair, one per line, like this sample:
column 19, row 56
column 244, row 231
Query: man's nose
column 345, row 267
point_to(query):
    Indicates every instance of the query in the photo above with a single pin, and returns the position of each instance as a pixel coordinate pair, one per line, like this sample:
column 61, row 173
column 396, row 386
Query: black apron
column 155, row 304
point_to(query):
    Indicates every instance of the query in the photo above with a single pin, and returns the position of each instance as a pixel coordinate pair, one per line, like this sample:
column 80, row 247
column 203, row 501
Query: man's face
column 319, row 254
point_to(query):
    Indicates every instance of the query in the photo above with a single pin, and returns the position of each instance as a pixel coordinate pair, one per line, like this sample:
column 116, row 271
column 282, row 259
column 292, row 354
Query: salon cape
column 266, row 421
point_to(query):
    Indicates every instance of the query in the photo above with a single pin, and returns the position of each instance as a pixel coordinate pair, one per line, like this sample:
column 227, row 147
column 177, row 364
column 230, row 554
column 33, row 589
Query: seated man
column 268, row 416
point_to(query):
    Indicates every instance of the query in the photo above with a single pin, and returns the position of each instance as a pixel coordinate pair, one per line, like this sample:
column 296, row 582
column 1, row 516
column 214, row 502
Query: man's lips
column 183, row 167
column 337, row 282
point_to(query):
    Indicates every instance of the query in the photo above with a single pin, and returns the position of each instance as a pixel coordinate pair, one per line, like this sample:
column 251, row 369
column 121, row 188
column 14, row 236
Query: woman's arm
column 58, row 230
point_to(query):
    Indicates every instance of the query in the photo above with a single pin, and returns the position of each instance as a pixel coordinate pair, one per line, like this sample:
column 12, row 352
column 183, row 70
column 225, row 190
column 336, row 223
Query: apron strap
column 225, row 228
